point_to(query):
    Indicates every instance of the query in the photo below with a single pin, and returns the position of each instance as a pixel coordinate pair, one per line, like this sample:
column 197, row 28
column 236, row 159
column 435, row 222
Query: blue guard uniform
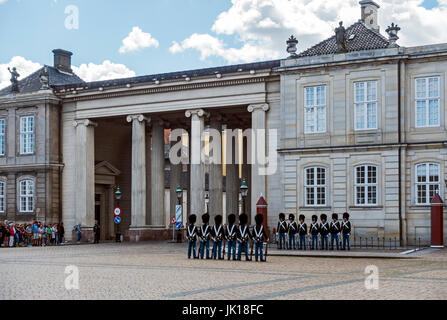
column 259, row 234
column 346, row 231
column 282, row 230
column 293, row 229
column 204, row 236
column 302, row 231
column 243, row 236
column 324, row 232
column 314, row 231
column 217, row 234
column 335, row 229
column 191, row 235
column 230, row 236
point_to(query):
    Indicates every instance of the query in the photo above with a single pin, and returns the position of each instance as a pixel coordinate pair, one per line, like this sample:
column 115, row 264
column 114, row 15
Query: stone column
column 138, row 176
column 175, row 179
column 197, row 169
column 258, row 125
column 85, row 173
column 232, row 174
column 158, row 176
column 246, row 174
column 215, row 170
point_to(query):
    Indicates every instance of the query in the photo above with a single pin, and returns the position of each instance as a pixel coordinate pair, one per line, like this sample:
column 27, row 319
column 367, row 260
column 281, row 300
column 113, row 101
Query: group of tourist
column 33, row 234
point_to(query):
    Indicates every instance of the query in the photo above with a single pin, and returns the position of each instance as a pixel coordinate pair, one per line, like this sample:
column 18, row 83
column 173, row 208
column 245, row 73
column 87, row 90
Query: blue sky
column 247, row 30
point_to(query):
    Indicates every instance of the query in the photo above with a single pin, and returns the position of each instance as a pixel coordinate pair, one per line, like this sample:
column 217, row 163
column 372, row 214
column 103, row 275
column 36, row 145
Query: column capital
column 84, row 122
column 263, row 106
column 198, row 112
column 138, row 117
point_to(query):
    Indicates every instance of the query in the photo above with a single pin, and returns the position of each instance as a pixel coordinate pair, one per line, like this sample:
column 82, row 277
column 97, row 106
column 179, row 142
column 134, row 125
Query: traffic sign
column 117, row 211
column 117, row 219
column 178, row 225
column 173, row 220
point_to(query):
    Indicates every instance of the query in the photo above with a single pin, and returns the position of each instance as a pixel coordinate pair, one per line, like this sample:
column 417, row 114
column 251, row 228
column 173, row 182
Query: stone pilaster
column 215, row 170
column 157, row 176
column 138, row 189
column 232, row 175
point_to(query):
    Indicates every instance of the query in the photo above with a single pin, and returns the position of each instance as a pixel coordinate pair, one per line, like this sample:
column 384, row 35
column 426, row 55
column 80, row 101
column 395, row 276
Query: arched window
column 365, row 185
column 427, row 182
column 315, row 186
column 26, row 195
column 2, row 196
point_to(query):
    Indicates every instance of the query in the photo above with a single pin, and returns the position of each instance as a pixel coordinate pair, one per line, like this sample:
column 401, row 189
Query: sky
column 114, row 38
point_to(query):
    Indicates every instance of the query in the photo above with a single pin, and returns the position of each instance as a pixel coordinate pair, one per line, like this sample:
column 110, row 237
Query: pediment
column 106, row 168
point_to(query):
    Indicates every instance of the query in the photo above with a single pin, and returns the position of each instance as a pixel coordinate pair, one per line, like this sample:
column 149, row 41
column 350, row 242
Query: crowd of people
column 33, row 234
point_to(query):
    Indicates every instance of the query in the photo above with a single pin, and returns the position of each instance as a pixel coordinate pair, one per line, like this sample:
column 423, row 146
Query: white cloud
column 263, row 26
column 24, row 68
column 104, row 71
column 137, row 39
column 3, row 1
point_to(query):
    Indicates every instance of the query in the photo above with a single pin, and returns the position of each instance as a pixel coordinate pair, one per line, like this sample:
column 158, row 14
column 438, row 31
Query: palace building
column 355, row 123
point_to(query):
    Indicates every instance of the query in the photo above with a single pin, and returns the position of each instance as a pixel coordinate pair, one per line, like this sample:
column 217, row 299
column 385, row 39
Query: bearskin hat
column 231, row 218
column 218, row 219
column 315, row 217
column 302, row 217
column 243, row 218
column 192, row 219
column 282, row 216
column 345, row 215
column 323, row 216
column 206, row 218
column 259, row 218
column 291, row 216
column 334, row 216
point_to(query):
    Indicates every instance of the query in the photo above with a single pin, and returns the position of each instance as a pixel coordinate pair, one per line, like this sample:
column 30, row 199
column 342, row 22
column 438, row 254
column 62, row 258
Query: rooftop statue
column 44, row 79
column 14, row 79
column 340, row 37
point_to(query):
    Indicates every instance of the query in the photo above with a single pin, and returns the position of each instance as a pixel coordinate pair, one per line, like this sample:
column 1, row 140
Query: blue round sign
column 178, row 225
column 117, row 220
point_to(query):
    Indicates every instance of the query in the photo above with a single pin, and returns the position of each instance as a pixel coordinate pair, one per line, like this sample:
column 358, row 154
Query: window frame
column 2, row 196
column 366, row 185
column 426, row 183
column 315, row 107
column 24, row 134
column 26, row 195
column 2, row 137
column 315, row 186
column 365, row 105
column 427, row 99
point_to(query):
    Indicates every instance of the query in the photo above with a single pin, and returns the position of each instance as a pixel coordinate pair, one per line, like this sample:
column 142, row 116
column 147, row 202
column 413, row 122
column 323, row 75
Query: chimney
column 62, row 60
column 369, row 14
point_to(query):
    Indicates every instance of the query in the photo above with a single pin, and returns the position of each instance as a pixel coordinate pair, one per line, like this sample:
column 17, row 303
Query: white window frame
column 315, row 186
column 366, row 185
column 2, row 137
column 427, row 99
column 27, row 135
column 2, row 196
column 364, row 105
column 26, row 193
column 427, row 183
column 317, row 109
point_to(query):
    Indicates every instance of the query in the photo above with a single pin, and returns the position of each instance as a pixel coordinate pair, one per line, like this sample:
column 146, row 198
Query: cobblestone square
column 160, row 270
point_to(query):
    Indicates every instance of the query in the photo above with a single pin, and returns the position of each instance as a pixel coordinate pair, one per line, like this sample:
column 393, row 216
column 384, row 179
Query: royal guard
column 282, row 231
column 230, row 236
column 302, row 231
column 314, row 231
column 324, row 231
column 346, row 231
column 204, row 236
column 191, row 235
column 259, row 235
column 335, row 229
column 243, row 236
column 217, row 237
column 293, row 229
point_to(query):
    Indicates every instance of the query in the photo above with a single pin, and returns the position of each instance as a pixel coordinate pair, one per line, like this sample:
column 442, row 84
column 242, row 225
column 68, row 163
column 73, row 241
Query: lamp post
column 179, row 192
column 244, row 193
column 118, row 197
column 207, row 200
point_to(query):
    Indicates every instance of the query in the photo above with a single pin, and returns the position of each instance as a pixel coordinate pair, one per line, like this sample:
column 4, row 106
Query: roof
column 364, row 39
column 32, row 82
column 177, row 75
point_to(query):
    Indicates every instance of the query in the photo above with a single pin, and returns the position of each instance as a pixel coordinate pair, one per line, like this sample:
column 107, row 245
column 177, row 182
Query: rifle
column 223, row 254
column 266, row 250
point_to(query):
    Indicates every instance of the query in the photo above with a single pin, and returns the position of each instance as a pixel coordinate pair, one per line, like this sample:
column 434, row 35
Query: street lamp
column 207, row 200
column 118, row 197
column 244, row 193
column 179, row 192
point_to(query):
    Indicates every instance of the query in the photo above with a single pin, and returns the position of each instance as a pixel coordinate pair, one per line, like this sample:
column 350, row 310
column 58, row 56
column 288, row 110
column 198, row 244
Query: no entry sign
column 117, row 211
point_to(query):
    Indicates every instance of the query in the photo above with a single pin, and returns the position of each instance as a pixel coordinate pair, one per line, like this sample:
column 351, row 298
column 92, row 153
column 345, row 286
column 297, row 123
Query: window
column 315, row 186
column 365, row 105
column 427, row 102
column 427, row 182
column 315, row 109
column 2, row 196
column 2, row 137
column 27, row 135
column 26, row 192
column 365, row 185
